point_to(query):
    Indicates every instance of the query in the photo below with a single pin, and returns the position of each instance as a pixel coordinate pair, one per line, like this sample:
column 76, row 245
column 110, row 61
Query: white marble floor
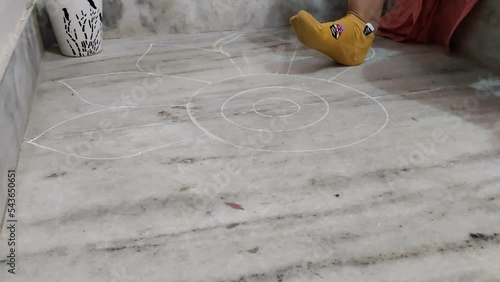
column 245, row 157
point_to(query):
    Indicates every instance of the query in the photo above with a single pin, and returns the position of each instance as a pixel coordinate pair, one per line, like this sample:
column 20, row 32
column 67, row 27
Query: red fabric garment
column 425, row 21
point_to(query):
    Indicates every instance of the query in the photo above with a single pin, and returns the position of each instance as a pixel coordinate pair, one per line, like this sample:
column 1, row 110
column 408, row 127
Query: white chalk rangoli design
column 260, row 105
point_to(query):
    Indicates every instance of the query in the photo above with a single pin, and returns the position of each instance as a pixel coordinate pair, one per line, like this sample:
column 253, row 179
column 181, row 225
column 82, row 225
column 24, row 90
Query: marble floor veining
column 246, row 157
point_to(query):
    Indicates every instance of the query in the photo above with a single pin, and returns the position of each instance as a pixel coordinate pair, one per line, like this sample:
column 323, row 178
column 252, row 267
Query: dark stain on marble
column 115, row 249
column 279, row 276
column 242, row 279
column 366, row 261
column 164, row 114
column 254, row 250
column 232, row 225
column 180, row 200
column 113, row 13
column 184, row 160
column 480, row 236
column 135, row 248
column 179, row 160
column 168, row 115
column 195, row 202
column 56, row 175
column 305, row 216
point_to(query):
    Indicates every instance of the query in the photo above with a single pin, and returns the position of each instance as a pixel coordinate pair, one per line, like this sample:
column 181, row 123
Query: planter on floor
column 77, row 26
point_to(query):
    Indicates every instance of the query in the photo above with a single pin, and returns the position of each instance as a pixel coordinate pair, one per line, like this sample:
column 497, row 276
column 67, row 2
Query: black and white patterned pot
column 77, row 26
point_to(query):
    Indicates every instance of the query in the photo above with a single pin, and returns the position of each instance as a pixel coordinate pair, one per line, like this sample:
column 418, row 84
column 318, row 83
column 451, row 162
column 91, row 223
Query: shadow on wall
column 478, row 34
column 124, row 18
column 113, row 13
column 323, row 10
column 48, row 36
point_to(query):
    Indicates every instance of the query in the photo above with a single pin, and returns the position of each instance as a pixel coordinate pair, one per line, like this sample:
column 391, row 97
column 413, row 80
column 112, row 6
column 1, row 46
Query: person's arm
column 369, row 11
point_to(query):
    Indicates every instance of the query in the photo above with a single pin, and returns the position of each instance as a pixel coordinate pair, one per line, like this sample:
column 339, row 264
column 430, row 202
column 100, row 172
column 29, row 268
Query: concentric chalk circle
column 286, row 113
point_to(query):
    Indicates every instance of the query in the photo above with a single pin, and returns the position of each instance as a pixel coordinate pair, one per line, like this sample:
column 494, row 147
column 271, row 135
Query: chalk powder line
column 213, row 136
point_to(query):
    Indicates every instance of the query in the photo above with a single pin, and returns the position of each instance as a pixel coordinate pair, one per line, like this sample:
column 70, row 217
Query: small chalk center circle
column 276, row 107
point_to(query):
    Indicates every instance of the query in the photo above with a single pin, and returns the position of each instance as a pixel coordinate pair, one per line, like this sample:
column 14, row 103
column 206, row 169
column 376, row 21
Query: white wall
column 11, row 12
